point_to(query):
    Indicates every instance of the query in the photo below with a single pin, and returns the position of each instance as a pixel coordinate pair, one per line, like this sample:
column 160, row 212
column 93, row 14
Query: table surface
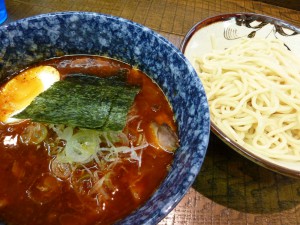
column 229, row 188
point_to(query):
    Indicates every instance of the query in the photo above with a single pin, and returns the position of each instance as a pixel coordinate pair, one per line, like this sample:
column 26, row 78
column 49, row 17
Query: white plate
column 222, row 31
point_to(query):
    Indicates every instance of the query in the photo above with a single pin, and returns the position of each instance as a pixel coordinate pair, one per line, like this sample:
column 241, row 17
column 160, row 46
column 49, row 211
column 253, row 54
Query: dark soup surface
column 88, row 148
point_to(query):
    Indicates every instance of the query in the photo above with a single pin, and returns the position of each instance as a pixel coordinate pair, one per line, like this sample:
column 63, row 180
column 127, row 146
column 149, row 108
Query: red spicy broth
column 34, row 191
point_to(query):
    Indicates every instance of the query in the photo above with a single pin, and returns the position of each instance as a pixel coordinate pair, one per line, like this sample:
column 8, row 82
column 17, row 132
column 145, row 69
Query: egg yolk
column 19, row 92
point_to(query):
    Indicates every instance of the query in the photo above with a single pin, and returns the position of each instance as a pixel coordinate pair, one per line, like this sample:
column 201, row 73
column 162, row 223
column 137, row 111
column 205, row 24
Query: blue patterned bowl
column 45, row 36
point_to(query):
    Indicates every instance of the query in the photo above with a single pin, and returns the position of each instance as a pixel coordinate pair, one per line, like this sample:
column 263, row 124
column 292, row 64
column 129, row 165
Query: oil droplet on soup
column 40, row 185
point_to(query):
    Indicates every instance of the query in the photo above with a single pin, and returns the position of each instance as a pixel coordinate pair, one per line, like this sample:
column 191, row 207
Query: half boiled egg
column 19, row 92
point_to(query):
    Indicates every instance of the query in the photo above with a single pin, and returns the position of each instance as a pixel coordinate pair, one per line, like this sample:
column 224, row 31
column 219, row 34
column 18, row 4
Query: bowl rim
column 214, row 128
column 227, row 16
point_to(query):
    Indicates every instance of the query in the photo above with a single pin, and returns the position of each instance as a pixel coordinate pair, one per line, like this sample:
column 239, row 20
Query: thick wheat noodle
column 254, row 95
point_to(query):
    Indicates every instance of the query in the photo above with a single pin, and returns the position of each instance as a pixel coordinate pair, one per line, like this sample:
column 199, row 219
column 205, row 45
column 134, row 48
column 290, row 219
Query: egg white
column 48, row 76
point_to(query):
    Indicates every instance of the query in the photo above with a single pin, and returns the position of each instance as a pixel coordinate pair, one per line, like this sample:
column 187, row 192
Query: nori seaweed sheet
column 84, row 101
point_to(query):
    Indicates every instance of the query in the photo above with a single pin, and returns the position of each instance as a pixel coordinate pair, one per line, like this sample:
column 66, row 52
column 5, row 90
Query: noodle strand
column 254, row 95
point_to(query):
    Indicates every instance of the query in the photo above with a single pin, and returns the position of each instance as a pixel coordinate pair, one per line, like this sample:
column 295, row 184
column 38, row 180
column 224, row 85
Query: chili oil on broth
column 37, row 190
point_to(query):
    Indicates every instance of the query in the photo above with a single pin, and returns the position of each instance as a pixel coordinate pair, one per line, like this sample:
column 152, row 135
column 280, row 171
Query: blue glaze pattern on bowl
column 30, row 40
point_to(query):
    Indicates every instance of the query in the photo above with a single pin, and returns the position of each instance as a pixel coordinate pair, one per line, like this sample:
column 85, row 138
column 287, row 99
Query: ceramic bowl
column 33, row 39
column 226, row 30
